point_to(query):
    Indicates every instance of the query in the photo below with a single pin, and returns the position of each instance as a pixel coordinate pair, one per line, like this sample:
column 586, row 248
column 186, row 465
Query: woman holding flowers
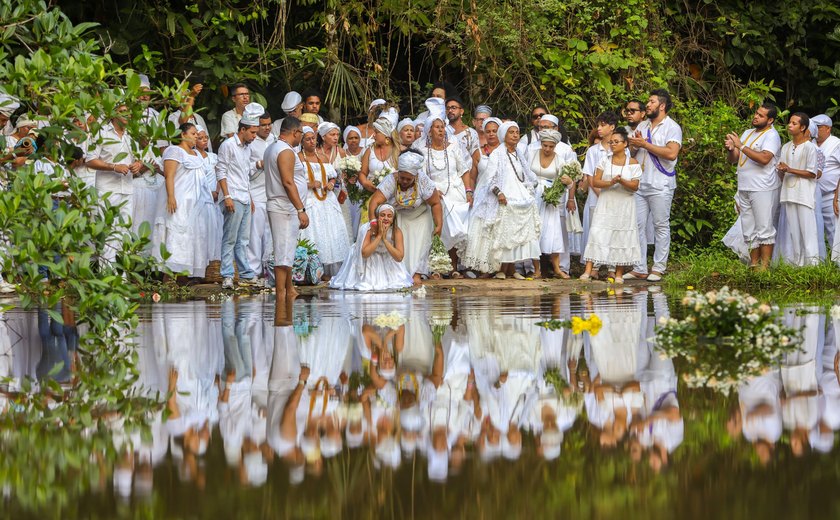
column 613, row 237
column 555, row 194
column 380, row 159
column 326, row 224
column 330, row 152
column 374, row 263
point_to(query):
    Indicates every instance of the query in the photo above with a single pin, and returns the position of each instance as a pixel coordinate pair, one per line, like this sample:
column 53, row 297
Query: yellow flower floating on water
column 578, row 325
column 595, row 324
column 592, row 325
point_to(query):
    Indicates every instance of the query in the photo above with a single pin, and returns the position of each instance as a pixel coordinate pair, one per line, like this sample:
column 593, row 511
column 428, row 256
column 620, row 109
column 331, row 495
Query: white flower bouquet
column 727, row 337
column 393, row 320
column 439, row 261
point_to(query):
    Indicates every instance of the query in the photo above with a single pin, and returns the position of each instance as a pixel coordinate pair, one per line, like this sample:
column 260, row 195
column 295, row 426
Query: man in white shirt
column 756, row 152
column 657, row 143
column 634, row 112
column 259, row 244
column 8, row 105
column 233, row 172
column 830, row 146
column 286, row 191
column 292, row 106
column 798, row 163
column 241, row 97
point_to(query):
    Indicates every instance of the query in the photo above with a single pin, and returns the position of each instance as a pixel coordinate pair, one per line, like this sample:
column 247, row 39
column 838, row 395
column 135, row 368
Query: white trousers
column 655, row 205
column 801, row 234
column 759, row 214
column 829, row 218
column 259, row 245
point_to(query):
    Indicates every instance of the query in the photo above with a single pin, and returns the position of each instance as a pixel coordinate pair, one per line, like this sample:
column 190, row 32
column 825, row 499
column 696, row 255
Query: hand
column 196, row 89
column 215, row 195
column 836, row 208
column 260, row 165
column 782, row 167
column 437, row 231
column 314, row 185
column 331, row 185
column 571, row 207
column 565, row 179
column 253, row 208
column 135, row 167
column 304, row 372
column 734, row 140
column 385, row 227
column 121, row 168
column 229, row 205
column 637, row 141
column 353, row 179
column 502, row 199
column 304, row 220
column 171, row 205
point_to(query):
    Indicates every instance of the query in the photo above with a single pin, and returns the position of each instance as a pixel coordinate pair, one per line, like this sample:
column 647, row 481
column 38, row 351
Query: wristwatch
column 301, row 210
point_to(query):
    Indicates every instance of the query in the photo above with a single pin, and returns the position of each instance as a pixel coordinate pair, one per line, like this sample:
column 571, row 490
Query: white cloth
column 326, row 223
column 654, row 205
column 234, row 165
column 276, row 195
column 110, row 145
column 147, row 192
column 184, row 232
column 414, row 219
column 446, row 168
column 667, row 131
column 212, row 211
column 751, row 175
column 378, row 272
column 259, row 241
column 798, row 189
column 831, row 171
column 284, row 234
column 613, row 236
column 257, row 175
column 554, row 237
column 801, row 234
column 594, row 155
column 230, row 123
column 759, row 214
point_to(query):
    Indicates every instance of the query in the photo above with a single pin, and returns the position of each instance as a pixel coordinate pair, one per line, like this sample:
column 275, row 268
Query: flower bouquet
column 727, row 337
column 393, row 320
column 592, row 324
column 439, row 261
column 350, row 166
column 553, row 194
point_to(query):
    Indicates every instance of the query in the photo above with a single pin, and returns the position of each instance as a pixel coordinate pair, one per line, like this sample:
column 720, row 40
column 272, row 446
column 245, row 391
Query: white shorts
column 284, row 232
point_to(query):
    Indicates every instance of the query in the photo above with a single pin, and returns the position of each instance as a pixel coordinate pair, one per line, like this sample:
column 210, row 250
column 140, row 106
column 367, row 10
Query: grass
column 781, row 283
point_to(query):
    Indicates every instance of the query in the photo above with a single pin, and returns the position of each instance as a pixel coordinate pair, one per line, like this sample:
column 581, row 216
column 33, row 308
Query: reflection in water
column 451, row 386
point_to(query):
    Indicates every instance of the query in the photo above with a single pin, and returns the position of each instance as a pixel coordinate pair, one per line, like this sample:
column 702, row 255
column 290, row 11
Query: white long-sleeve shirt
column 109, row 147
column 235, row 166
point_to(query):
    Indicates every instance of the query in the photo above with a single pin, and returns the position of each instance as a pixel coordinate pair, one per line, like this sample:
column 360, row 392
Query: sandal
column 585, row 277
column 563, row 275
column 500, row 276
column 455, row 275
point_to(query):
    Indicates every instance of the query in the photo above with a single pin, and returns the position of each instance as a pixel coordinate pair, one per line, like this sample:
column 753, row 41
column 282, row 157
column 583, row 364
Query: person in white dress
column 508, row 221
column 330, row 152
column 405, row 129
column 382, row 154
column 374, row 263
column 613, row 239
column 547, row 164
column 178, row 222
column 213, row 218
column 326, row 223
column 352, row 138
column 798, row 164
column 449, row 169
column 606, row 123
column 418, row 206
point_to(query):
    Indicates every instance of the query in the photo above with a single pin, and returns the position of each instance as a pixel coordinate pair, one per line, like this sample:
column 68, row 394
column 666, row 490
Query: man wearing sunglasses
column 634, row 113
column 534, row 135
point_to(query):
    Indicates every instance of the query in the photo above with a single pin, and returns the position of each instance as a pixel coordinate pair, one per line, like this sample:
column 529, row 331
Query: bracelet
column 228, row 197
column 301, row 382
column 741, row 149
column 496, row 191
column 301, row 210
column 372, row 222
column 468, row 190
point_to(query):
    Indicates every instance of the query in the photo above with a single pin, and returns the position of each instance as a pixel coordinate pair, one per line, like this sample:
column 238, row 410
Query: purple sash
column 655, row 159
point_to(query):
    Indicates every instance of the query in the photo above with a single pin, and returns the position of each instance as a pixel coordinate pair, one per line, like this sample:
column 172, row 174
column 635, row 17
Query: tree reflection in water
column 362, row 405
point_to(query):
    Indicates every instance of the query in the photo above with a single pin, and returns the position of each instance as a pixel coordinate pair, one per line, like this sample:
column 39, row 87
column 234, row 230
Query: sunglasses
column 536, row 116
column 631, row 110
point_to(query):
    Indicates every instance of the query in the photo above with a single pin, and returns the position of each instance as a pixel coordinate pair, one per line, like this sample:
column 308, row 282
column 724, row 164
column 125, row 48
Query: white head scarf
column 410, row 162
column 375, row 103
column 384, row 126
column 290, row 101
column 391, row 115
column 404, row 123
column 199, row 129
column 327, row 127
column 492, row 120
column 550, row 135
column 437, row 110
column 348, row 130
column 251, row 115
column 306, row 130
column 383, row 207
column 483, row 109
column 504, row 127
column 550, row 118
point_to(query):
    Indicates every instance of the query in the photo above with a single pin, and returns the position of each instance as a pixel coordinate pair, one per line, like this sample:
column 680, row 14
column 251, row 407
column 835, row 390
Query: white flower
column 392, row 320
column 420, row 292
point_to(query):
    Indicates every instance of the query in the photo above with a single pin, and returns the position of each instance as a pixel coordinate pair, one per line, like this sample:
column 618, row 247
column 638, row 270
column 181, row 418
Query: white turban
column 199, row 129
column 551, row 443
column 510, row 451
column 375, row 103
column 410, row 162
column 491, row 120
column 383, row 207
column 483, row 109
column 438, row 464
column 384, row 126
column 251, row 115
column 349, row 129
column 504, row 127
column 256, row 469
column 290, row 101
column 144, row 81
column 404, row 123
column 550, row 118
column 411, row 419
column 8, row 104
column 391, row 115
column 388, row 453
column 327, row 127
column 307, row 130
column 812, row 129
column 436, row 106
column 550, row 135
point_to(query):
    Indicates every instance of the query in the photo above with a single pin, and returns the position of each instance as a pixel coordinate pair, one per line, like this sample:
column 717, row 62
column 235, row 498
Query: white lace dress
column 613, row 235
column 183, row 232
column 326, row 229
column 213, row 218
column 553, row 235
column 446, row 168
column 378, row 272
column 414, row 219
column 510, row 232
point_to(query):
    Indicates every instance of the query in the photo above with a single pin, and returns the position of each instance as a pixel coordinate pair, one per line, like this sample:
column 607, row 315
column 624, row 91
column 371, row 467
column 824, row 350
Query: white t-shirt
column 278, row 200
column 667, row 131
column 831, row 171
column 230, row 122
column 257, row 175
column 796, row 189
column 751, row 175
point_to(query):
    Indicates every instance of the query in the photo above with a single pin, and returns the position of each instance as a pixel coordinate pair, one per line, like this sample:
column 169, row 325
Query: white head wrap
column 822, row 120
column 327, row 127
column 550, row 118
column 251, row 115
column 491, row 120
column 511, row 451
column 410, row 418
column 256, row 469
column 199, row 129
column 410, row 162
column 388, row 452
column 296, row 474
column 438, row 464
column 8, row 104
column 504, row 127
column 307, row 130
column 392, row 116
column 550, row 135
column 409, row 444
column 550, row 442
column 144, row 81
column 290, row 101
column 437, row 110
column 383, row 207
column 122, row 482
column 330, row 446
column 376, row 102
column 25, row 121
column 483, row 109
column 404, row 123
column 388, row 374
column 384, row 126
column 348, row 130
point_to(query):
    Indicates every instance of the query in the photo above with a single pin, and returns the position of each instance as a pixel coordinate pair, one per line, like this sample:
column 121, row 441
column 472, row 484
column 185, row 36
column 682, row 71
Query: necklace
column 444, row 168
column 743, row 160
column 406, row 199
column 515, row 171
column 323, row 195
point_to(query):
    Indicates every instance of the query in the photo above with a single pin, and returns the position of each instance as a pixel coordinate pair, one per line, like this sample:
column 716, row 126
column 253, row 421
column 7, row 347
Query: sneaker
column 518, row 276
column 632, row 275
column 227, row 283
column 7, row 288
column 471, row 275
column 654, row 277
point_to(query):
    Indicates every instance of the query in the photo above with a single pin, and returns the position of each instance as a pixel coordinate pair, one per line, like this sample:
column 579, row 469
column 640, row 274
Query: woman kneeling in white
column 375, row 262
column 613, row 236
column 178, row 220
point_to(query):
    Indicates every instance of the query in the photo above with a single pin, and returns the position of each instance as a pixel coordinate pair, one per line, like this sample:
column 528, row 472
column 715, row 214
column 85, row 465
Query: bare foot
column 417, row 280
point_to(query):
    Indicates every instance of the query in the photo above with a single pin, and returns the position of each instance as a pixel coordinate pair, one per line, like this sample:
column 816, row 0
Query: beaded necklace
column 431, row 162
column 404, row 198
column 515, row 171
column 323, row 196
column 743, row 160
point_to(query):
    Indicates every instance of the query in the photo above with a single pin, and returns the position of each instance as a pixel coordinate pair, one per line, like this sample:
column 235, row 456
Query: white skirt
column 378, row 272
column 327, row 229
column 553, row 234
column 417, row 227
column 613, row 234
column 456, row 220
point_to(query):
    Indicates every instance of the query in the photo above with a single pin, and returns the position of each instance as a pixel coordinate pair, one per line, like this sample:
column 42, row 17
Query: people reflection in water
column 800, row 398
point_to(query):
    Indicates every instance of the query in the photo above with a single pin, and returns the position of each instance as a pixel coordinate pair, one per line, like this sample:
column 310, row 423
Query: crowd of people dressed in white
column 377, row 200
